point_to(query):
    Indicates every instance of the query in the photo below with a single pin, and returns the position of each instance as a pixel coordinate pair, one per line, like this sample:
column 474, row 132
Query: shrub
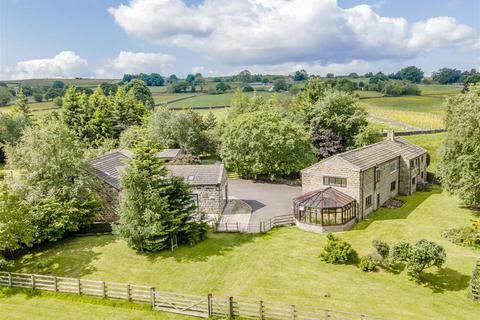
column 382, row 248
column 425, row 254
column 338, row 251
column 58, row 101
column 401, row 251
column 367, row 263
column 248, row 89
column 465, row 236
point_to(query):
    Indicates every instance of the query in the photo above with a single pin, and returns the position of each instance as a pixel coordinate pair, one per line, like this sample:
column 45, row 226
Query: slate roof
column 371, row 155
column 169, row 153
column 324, row 198
column 109, row 167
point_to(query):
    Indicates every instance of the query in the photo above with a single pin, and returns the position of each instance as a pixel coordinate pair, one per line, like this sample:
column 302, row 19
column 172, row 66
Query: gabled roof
column 374, row 154
column 169, row 153
column 324, row 199
column 109, row 167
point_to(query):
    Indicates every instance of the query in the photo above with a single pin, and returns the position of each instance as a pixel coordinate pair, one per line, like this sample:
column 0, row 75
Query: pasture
column 91, row 83
column 284, row 265
column 220, row 99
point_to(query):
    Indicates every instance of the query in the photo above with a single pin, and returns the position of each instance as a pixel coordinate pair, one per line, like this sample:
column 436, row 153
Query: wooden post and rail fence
column 475, row 282
column 207, row 306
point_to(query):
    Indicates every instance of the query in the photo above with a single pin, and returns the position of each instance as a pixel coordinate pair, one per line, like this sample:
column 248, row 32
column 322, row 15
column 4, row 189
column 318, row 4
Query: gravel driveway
column 266, row 199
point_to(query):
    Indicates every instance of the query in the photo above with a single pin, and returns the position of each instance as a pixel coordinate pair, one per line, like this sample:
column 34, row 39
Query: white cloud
column 270, row 32
column 135, row 62
column 66, row 64
column 198, row 69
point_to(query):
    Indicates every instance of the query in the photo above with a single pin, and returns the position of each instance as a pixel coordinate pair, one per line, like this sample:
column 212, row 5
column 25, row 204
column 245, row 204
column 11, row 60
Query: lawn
column 219, row 99
column 284, row 265
column 28, row 304
column 432, row 143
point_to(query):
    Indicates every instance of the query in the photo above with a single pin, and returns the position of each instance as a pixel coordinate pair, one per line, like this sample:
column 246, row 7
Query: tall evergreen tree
column 21, row 105
column 100, row 126
column 127, row 111
column 155, row 207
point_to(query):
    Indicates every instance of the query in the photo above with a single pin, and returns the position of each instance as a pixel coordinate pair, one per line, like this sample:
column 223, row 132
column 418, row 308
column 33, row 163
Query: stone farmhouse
column 209, row 183
column 347, row 187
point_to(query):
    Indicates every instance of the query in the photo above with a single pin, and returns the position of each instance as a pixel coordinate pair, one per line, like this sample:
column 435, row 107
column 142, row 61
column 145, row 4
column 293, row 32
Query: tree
column 248, row 88
column 109, row 88
column 11, row 127
column 222, row 87
column 156, row 80
column 58, row 101
column 21, row 105
column 127, row 111
column 303, row 102
column 179, row 86
column 244, row 76
column 155, row 208
column 52, row 178
column 280, row 85
column 52, row 93
column 300, row 75
column 262, row 143
column 57, row 84
column 75, row 111
column 459, row 169
column 353, row 75
column 325, row 142
column 101, row 123
column 447, row 76
column 5, row 96
column 338, row 111
column 470, row 80
column 172, row 79
column 330, row 76
column 38, row 97
column 16, row 230
column 410, row 73
column 199, row 81
column 191, row 81
column 141, row 92
column 185, row 129
column 366, row 136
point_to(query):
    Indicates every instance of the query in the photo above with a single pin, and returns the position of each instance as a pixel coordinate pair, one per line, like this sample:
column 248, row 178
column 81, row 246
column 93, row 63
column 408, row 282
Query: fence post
column 55, row 284
column 104, row 289
column 226, row 227
column 231, row 313
column 238, row 230
column 152, row 297
column 260, row 309
column 294, row 312
column 32, row 277
column 129, row 295
column 10, row 279
column 79, row 287
column 209, row 305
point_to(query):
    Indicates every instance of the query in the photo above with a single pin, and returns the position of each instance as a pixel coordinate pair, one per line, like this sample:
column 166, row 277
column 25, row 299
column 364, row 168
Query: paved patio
column 266, row 199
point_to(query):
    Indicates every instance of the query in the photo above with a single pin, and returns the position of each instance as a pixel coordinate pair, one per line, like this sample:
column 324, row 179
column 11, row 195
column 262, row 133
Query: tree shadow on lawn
column 216, row 244
column 411, row 203
column 445, row 279
column 71, row 257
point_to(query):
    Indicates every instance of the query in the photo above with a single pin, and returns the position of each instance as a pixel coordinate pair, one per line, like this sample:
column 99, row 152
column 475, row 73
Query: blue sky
column 55, row 38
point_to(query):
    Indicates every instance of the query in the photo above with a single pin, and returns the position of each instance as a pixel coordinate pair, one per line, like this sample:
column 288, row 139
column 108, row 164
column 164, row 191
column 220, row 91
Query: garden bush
column 423, row 254
column 401, row 251
column 466, row 236
column 338, row 251
column 367, row 263
column 382, row 248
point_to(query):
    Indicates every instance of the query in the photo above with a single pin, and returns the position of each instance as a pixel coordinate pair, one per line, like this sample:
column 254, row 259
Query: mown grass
column 284, row 265
column 31, row 304
column 432, row 143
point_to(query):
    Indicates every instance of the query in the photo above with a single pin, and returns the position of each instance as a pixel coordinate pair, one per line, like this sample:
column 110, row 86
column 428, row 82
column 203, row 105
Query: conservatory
column 325, row 210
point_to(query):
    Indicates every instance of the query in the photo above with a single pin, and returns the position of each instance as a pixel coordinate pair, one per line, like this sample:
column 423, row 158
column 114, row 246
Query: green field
column 49, row 82
column 420, row 111
column 432, row 143
column 284, row 265
column 219, row 99
column 440, row 89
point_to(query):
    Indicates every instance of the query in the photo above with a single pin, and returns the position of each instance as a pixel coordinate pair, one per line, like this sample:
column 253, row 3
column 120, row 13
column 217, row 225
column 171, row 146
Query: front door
column 378, row 200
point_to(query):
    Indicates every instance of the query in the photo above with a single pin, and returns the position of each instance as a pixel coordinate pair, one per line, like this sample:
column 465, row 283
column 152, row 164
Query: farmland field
column 49, row 82
column 432, row 143
column 284, row 265
column 34, row 107
column 219, row 99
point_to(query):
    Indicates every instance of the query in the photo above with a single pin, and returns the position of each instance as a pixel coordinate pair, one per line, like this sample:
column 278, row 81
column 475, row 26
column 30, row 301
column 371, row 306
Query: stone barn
column 209, row 183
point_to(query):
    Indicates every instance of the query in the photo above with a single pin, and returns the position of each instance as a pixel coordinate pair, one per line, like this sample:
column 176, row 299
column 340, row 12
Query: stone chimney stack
column 391, row 135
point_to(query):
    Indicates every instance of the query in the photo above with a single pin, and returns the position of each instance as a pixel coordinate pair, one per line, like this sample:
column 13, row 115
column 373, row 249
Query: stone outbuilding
column 208, row 183
column 365, row 178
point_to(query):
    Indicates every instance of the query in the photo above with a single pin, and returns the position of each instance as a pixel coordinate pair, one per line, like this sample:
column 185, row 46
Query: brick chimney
column 390, row 135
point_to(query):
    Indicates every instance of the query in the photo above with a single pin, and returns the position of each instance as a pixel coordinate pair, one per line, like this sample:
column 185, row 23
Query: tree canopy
column 155, row 208
column 410, row 73
column 459, row 167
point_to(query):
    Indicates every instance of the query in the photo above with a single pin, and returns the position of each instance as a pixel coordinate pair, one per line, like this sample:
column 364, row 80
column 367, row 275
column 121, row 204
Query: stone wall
column 109, row 199
column 322, row 229
column 312, row 177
